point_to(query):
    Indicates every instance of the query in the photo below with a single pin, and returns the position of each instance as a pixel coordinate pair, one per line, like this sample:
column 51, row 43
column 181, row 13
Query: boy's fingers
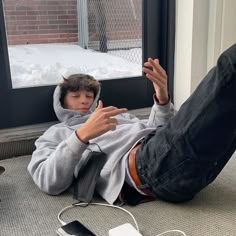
column 111, row 108
column 148, row 64
column 116, row 112
column 154, row 80
column 99, row 106
column 146, row 70
column 156, row 60
column 113, row 121
column 155, row 64
column 153, row 74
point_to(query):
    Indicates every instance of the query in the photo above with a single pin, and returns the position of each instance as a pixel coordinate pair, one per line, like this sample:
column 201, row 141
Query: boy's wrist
column 161, row 102
column 82, row 136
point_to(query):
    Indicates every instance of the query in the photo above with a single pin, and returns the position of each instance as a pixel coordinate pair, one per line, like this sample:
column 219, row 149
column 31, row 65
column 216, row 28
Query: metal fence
column 111, row 26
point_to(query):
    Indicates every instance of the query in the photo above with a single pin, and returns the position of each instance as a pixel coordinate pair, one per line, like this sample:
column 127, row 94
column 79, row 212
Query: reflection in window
column 48, row 39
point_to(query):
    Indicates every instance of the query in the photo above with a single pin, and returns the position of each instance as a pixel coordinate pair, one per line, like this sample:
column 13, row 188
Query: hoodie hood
column 67, row 115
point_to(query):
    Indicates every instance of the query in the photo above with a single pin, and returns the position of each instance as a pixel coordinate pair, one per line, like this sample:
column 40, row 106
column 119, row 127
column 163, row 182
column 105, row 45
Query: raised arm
column 162, row 109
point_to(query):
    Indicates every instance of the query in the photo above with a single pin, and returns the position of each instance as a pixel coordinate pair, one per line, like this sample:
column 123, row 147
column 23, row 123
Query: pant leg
column 182, row 157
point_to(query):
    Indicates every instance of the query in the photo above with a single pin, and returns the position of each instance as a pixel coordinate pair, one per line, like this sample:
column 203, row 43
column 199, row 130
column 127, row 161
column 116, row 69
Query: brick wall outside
column 55, row 21
column 39, row 21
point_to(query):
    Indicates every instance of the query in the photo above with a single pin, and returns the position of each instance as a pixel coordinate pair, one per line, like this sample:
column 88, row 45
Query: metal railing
column 110, row 25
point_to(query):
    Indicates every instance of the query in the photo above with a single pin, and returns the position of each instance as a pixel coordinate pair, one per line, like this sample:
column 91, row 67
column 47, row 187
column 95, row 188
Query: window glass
column 48, row 39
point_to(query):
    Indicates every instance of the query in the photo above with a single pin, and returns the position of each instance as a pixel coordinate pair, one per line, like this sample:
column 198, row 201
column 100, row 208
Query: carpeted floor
column 25, row 210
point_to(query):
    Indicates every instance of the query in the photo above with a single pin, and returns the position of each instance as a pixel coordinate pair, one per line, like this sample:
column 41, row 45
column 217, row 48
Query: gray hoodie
column 59, row 154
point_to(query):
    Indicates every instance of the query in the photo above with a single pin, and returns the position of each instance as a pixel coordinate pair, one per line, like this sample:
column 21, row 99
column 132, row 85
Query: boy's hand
column 101, row 121
column 157, row 75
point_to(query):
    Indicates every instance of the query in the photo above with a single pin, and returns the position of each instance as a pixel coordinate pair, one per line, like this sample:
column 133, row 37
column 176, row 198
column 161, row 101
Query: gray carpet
column 25, row 210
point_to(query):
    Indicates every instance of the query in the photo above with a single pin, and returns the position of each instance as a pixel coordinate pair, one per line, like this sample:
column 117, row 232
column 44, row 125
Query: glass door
column 48, row 40
column 42, row 41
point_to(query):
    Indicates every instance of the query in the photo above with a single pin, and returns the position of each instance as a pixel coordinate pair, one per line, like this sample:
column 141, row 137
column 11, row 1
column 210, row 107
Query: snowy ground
column 44, row 64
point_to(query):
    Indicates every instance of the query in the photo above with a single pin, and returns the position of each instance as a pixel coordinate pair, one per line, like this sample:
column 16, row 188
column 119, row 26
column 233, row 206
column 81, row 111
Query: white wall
column 204, row 28
column 222, row 32
column 183, row 50
column 228, row 35
column 191, row 46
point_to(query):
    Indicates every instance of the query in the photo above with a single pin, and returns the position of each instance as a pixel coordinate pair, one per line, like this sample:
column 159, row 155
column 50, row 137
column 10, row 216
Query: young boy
column 171, row 157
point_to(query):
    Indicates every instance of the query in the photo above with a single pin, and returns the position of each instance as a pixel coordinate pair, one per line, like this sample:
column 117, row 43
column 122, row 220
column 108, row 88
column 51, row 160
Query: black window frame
column 32, row 105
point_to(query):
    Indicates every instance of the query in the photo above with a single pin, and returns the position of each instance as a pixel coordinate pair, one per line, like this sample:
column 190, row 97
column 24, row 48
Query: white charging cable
column 113, row 206
column 98, row 204
column 172, row 231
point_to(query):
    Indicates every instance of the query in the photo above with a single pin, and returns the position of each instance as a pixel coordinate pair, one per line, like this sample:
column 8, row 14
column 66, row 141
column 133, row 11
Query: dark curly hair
column 76, row 82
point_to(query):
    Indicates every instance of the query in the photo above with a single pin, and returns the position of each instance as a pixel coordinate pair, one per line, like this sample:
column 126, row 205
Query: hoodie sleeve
column 54, row 160
column 160, row 114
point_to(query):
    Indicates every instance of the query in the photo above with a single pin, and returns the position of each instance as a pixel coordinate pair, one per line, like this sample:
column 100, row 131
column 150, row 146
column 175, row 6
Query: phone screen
column 77, row 228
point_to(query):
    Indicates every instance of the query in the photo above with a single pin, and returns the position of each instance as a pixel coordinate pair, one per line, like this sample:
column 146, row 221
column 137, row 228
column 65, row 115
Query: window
column 50, row 39
column 122, row 33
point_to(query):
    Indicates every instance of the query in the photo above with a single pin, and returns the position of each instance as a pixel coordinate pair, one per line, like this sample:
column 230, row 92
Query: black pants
column 182, row 157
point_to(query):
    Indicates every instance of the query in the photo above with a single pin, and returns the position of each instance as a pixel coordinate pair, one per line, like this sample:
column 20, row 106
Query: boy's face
column 79, row 101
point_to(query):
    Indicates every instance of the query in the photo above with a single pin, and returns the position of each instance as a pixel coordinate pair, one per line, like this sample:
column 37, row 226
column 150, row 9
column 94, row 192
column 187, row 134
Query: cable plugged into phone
column 124, row 230
column 75, row 228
